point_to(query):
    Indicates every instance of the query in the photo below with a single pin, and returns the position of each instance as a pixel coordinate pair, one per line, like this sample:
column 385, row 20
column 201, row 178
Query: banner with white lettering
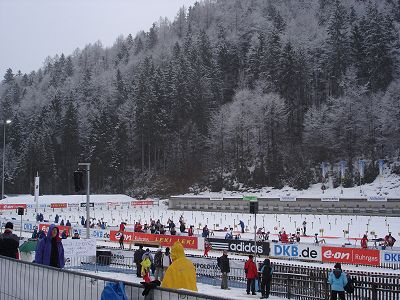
column 240, row 246
column 297, row 251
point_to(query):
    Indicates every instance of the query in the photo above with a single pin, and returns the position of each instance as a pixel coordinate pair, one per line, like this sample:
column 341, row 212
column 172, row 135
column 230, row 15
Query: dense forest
column 231, row 93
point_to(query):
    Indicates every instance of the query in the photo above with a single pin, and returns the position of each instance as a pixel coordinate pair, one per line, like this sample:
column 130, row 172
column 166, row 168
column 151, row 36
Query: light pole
column 87, row 165
column 4, row 155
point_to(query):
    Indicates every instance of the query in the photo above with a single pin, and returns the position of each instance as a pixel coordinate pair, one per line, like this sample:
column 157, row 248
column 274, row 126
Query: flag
column 361, row 167
column 342, row 168
column 324, row 167
column 381, row 164
column 37, row 190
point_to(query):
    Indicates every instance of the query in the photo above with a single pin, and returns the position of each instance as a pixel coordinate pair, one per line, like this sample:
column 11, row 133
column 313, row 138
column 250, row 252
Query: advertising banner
column 58, row 205
column 240, row 246
column 142, row 202
column 28, row 226
column 45, row 227
column 188, row 242
column 287, row 198
column 350, row 255
column 376, row 198
column 392, row 257
column 73, row 204
column 330, row 199
column 122, row 257
column 11, row 206
column 297, row 251
column 94, row 233
column 83, row 204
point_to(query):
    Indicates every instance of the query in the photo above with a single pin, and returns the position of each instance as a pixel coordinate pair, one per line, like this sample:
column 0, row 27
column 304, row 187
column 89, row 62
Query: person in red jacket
column 284, row 238
column 190, row 230
column 364, row 242
column 250, row 269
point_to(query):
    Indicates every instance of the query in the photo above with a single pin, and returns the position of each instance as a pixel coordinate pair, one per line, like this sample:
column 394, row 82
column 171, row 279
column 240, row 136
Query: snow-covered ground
column 232, row 294
column 387, row 186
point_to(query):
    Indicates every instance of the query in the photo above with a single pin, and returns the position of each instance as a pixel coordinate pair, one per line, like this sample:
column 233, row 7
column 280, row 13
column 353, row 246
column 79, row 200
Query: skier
column 241, row 225
column 304, row 227
column 207, row 248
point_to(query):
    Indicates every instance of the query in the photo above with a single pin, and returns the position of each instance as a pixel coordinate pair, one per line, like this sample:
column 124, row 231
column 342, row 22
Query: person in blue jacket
column 241, row 224
column 338, row 279
column 49, row 250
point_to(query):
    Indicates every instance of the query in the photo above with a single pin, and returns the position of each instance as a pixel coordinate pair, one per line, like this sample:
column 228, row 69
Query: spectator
column 181, row 274
column 64, row 235
column 298, row 237
column 68, row 223
column 166, row 260
column 389, row 240
column 338, row 279
column 35, row 234
column 173, row 231
column 137, row 258
column 121, row 240
column 228, row 236
column 364, row 242
column 76, row 235
column 145, row 267
column 62, row 222
column 158, row 264
column 304, row 228
column 182, row 227
column 148, row 253
column 49, row 250
column 83, row 221
column 122, row 226
column 206, row 232
column 241, row 224
column 190, row 230
column 250, row 269
column 223, row 264
column 9, row 242
column 207, row 248
column 284, row 238
column 266, row 278
column 56, row 219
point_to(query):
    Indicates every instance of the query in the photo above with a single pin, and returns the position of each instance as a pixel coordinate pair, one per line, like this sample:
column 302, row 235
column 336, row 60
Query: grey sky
column 31, row 30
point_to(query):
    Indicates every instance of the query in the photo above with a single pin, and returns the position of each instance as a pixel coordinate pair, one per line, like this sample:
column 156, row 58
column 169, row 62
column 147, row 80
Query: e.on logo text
column 335, row 254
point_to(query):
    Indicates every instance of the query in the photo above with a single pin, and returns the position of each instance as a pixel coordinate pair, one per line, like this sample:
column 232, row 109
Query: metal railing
column 28, row 281
column 289, row 281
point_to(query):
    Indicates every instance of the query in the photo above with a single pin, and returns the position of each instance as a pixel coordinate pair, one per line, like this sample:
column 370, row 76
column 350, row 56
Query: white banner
column 390, row 257
column 216, row 198
column 287, row 198
column 330, row 199
column 79, row 247
column 376, row 198
column 297, row 251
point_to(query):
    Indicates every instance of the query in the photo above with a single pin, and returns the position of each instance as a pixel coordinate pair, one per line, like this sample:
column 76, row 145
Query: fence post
column 374, row 291
column 289, row 286
column 326, row 288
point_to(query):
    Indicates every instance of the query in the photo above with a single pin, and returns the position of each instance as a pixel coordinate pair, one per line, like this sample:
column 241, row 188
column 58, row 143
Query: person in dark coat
column 50, row 250
column 223, row 264
column 266, row 273
column 250, row 269
column 137, row 257
column 9, row 242
column 241, row 224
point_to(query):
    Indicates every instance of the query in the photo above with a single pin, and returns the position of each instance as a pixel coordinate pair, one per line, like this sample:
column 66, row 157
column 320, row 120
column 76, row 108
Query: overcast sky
column 31, row 30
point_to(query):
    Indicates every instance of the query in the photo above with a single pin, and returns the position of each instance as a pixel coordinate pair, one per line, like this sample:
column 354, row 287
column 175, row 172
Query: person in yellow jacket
column 181, row 274
column 146, row 264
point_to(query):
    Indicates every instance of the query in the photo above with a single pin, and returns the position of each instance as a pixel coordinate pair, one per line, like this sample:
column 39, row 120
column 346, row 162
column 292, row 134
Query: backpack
column 349, row 287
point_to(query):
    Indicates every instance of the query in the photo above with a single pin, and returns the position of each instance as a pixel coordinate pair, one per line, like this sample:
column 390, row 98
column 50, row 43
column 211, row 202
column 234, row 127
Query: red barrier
column 188, row 242
column 350, row 255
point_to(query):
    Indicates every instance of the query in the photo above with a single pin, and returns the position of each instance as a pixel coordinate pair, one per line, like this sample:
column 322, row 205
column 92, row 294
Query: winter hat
column 338, row 266
column 9, row 225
